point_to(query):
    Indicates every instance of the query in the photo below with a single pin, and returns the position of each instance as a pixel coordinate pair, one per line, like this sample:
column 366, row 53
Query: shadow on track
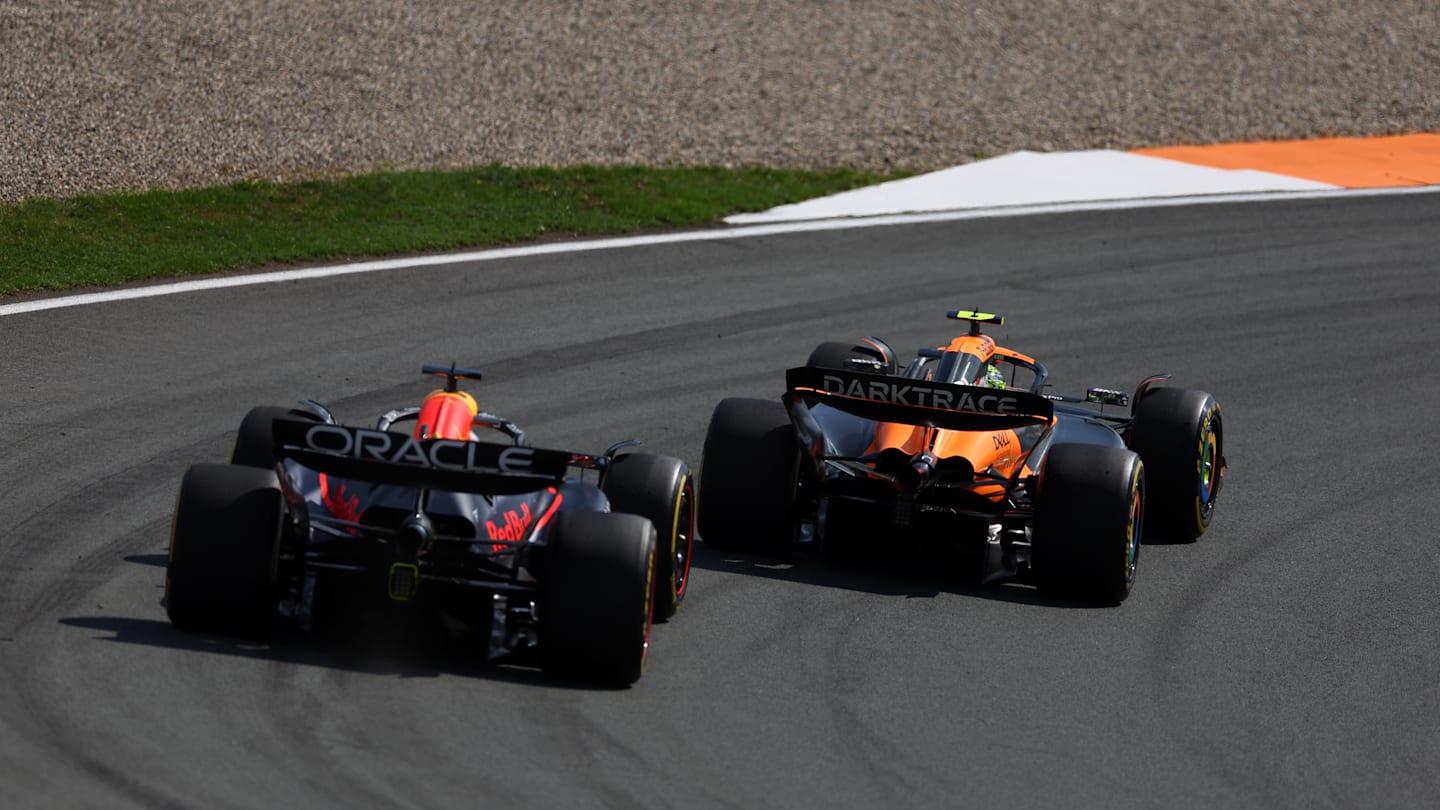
column 389, row 652
column 392, row 643
column 912, row 574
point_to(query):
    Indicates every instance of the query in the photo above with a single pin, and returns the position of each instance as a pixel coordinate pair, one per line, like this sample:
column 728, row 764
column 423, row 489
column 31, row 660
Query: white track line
column 838, row 223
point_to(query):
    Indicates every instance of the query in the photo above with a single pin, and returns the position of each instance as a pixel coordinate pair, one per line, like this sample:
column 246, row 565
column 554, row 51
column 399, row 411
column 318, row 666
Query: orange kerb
column 1397, row 160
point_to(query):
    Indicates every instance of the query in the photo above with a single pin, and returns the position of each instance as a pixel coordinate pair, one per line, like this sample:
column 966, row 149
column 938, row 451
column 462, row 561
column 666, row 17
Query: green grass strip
column 60, row 244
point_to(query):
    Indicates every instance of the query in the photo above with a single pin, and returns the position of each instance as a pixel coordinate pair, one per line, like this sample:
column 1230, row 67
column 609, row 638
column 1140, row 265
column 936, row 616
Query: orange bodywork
column 446, row 415
column 998, row 451
column 978, row 345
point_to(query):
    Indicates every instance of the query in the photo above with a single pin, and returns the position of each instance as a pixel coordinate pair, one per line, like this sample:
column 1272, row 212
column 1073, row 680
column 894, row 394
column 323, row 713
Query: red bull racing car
column 964, row 447
column 554, row 557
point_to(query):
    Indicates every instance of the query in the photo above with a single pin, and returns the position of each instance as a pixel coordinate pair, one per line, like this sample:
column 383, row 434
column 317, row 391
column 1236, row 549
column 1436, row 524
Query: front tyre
column 224, row 547
column 658, row 488
column 255, row 440
column 1089, row 516
column 1179, row 435
column 841, row 355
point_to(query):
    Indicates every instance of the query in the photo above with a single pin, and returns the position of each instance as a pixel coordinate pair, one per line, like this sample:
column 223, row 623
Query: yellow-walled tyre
column 1090, row 513
column 1180, row 436
column 658, row 488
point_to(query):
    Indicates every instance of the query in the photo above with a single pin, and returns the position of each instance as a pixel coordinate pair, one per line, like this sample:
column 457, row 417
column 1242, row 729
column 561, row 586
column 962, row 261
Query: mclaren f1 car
column 551, row 557
column 964, row 447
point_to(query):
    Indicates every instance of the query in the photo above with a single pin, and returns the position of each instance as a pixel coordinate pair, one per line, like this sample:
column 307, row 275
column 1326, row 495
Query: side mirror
column 1107, row 396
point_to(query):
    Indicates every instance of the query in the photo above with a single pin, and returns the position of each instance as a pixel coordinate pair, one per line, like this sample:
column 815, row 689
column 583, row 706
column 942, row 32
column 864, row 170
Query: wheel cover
column 1207, row 467
column 684, row 534
column 1132, row 536
column 649, row 611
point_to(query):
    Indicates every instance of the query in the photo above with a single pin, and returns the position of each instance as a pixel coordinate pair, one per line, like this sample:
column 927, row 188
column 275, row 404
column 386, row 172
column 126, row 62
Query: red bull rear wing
column 386, row 457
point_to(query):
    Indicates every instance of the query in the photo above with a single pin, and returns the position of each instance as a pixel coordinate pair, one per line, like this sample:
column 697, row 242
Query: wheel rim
column 1207, row 467
column 684, row 535
column 650, row 608
column 1132, row 537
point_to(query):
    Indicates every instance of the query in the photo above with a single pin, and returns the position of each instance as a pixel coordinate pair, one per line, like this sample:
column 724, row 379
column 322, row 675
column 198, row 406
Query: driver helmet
column 992, row 377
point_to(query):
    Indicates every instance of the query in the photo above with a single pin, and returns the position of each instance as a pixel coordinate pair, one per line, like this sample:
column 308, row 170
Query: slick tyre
column 660, row 489
column 747, row 476
column 839, row 354
column 254, row 441
column 224, row 545
column 597, row 596
column 1180, row 437
column 1089, row 516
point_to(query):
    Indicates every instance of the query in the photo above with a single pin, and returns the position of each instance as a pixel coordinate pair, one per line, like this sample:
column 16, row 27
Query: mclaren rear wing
column 883, row 398
column 386, row 457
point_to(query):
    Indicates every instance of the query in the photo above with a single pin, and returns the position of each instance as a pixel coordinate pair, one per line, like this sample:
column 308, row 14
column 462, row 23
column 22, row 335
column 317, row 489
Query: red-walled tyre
column 596, row 597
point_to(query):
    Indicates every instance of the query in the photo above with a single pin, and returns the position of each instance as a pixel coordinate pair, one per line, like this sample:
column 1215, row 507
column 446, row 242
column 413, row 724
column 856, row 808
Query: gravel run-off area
column 101, row 95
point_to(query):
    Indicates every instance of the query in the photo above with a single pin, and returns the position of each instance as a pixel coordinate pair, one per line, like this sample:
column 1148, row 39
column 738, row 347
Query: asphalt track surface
column 1287, row 659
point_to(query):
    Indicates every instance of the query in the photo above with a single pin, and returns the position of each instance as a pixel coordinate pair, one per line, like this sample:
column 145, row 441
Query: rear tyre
column 1179, row 435
column 747, row 476
column 596, row 609
column 255, row 442
column 224, row 544
column 1088, row 521
column 658, row 488
column 838, row 354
